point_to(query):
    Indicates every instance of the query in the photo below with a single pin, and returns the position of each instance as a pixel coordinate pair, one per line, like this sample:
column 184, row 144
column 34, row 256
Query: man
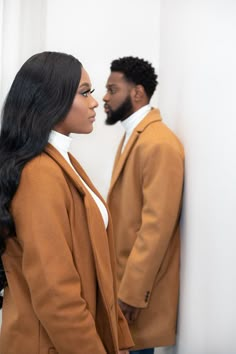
column 145, row 202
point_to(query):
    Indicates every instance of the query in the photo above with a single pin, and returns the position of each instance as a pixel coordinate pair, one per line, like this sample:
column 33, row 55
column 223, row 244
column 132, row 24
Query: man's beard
column 121, row 113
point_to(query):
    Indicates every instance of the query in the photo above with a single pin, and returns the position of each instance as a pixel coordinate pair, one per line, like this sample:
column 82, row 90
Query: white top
column 62, row 144
column 132, row 121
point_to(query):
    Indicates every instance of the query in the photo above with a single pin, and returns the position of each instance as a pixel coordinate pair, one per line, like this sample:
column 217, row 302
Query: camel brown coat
column 145, row 202
column 60, row 297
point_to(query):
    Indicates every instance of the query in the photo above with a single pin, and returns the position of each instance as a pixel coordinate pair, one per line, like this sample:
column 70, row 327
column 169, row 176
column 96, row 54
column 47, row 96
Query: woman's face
column 81, row 116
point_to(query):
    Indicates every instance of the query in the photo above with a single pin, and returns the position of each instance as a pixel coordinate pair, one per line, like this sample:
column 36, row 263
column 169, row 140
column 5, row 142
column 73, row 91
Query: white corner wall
column 197, row 99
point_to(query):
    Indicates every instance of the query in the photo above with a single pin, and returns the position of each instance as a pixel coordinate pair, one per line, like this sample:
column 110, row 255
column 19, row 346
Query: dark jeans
column 143, row 351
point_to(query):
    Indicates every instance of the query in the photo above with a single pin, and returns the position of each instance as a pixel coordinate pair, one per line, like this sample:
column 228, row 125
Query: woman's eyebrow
column 85, row 85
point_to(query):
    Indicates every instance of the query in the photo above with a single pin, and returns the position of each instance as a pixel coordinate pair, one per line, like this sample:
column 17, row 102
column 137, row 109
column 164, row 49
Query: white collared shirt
column 62, row 144
column 132, row 121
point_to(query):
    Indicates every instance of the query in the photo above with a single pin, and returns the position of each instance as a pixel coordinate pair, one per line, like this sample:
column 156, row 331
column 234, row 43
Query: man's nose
column 105, row 97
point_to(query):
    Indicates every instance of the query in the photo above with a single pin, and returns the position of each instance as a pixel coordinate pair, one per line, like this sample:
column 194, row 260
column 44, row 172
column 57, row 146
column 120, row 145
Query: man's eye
column 112, row 91
column 87, row 93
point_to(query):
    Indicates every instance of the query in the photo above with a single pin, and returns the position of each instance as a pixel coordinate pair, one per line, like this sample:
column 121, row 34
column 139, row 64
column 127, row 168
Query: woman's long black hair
column 41, row 95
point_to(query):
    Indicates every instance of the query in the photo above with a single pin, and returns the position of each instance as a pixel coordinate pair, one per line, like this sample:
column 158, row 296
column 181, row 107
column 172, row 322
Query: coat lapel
column 99, row 237
column 122, row 157
column 50, row 150
column 56, row 156
column 152, row 116
column 118, row 153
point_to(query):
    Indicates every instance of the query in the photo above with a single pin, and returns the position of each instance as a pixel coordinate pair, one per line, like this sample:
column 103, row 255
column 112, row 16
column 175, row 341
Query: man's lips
column 106, row 108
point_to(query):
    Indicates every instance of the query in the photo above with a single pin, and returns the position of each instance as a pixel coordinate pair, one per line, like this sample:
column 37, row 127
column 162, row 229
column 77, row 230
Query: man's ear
column 139, row 93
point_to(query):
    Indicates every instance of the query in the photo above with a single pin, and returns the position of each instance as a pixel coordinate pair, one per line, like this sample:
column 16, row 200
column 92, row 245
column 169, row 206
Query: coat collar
column 56, row 156
column 120, row 159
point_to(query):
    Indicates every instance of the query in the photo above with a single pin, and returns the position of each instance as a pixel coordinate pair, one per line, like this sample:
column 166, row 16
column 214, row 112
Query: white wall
column 96, row 33
column 21, row 35
column 197, row 99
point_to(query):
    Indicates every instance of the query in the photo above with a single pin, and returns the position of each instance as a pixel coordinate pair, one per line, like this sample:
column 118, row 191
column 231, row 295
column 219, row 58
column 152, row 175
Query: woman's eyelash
column 87, row 93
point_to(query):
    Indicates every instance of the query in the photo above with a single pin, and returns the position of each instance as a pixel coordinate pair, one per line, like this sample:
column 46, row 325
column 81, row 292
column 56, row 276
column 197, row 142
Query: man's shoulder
column 155, row 132
column 151, row 117
column 153, row 121
column 154, row 127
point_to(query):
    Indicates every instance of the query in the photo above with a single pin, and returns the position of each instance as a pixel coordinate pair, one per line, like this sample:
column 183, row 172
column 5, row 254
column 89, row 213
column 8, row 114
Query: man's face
column 118, row 103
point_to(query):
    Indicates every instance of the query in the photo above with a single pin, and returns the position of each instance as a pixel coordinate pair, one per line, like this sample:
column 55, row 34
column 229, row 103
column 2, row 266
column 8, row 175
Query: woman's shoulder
column 42, row 168
column 42, row 181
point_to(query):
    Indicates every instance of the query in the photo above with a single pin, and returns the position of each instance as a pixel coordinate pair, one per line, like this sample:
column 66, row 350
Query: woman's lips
column 92, row 119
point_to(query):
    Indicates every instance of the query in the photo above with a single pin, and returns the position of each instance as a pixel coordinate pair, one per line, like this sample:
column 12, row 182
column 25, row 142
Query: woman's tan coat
column 145, row 202
column 61, row 295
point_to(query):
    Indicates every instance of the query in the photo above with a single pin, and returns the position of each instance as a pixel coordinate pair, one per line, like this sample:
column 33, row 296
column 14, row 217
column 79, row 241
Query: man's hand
column 123, row 352
column 130, row 312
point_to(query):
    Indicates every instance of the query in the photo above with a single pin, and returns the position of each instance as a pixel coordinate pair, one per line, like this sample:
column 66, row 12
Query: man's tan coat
column 145, row 202
column 60, row 297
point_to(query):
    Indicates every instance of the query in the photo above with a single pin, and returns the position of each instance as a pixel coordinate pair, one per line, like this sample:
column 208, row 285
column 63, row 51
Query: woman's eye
column 87, row 93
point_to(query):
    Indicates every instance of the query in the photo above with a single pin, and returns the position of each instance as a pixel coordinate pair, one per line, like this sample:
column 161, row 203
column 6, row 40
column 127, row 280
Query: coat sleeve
column 162, row 182
column 40, row 210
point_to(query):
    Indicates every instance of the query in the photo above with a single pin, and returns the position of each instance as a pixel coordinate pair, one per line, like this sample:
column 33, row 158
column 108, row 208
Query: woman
column 55, row 230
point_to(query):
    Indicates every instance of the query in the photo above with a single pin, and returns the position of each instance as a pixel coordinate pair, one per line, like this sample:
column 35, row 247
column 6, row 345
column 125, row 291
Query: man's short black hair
column 137, row 71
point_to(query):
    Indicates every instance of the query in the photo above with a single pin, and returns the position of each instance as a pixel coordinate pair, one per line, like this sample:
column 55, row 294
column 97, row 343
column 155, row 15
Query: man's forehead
column 116, row 78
